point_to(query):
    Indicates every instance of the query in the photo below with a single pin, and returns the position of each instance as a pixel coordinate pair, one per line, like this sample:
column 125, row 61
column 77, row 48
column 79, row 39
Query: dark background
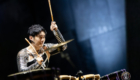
column 105, row 32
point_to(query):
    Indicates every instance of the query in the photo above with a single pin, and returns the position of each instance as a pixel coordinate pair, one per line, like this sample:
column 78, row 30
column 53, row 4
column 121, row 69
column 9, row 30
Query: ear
column 31, row 38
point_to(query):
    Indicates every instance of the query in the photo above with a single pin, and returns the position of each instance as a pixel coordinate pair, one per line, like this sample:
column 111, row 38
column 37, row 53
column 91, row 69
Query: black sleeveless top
column 44, row 56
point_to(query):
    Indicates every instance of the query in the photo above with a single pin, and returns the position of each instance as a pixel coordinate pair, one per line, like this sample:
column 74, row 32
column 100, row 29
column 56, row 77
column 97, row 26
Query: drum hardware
column 113, row 76
column 57, row 73
column 79, row 74
column 67, row 57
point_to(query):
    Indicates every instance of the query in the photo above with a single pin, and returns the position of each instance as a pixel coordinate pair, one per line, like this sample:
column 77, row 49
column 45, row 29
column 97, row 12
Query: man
column 33, row 56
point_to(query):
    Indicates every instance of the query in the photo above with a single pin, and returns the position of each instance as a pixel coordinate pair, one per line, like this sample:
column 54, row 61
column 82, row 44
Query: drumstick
column 51, row 18
column 31, row 46
column 51, row 12
column 34, row 50
column 50, row 9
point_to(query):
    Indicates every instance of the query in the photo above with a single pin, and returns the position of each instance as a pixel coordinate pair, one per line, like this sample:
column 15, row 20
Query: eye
column 42, row 37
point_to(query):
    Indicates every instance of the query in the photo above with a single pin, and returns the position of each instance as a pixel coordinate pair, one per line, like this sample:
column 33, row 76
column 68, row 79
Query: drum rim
column 28, row 71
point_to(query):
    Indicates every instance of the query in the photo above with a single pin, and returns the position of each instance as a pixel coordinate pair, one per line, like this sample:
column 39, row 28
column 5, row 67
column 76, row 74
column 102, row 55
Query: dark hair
column 35, row 30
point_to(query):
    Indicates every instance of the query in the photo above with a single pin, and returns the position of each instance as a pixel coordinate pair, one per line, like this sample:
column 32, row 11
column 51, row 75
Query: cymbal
column 58, row 45
column 24, row 72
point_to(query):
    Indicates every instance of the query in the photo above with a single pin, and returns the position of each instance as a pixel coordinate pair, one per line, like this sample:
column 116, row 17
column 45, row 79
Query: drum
column 113, row 76
column 37, row 74
column 67, row 77
column 91, row 77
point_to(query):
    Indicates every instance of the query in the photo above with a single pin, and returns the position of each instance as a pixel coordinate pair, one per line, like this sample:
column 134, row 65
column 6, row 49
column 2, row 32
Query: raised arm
column 57, row 34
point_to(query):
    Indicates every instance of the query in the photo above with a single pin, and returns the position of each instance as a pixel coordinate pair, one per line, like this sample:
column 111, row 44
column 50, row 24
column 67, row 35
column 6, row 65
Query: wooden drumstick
column 52, row 15
column 34, row 50
column 31, row 46
column 50, row 9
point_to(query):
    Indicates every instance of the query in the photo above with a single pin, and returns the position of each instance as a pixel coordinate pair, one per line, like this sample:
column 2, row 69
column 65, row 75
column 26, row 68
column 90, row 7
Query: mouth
column 41, row 43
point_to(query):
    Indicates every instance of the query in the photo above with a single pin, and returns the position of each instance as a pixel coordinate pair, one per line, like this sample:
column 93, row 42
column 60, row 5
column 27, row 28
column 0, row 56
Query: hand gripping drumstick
column 34, row 50
column 52, row 15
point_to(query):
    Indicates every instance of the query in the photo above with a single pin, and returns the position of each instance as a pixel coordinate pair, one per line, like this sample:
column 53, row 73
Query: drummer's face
column 39, row 39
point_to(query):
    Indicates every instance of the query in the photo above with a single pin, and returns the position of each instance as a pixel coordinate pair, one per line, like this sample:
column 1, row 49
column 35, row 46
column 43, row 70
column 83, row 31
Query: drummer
column 27, row 58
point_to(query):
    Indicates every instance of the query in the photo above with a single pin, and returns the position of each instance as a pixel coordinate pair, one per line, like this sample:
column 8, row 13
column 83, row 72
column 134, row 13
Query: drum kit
column 49, row 74
column 54, row 74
